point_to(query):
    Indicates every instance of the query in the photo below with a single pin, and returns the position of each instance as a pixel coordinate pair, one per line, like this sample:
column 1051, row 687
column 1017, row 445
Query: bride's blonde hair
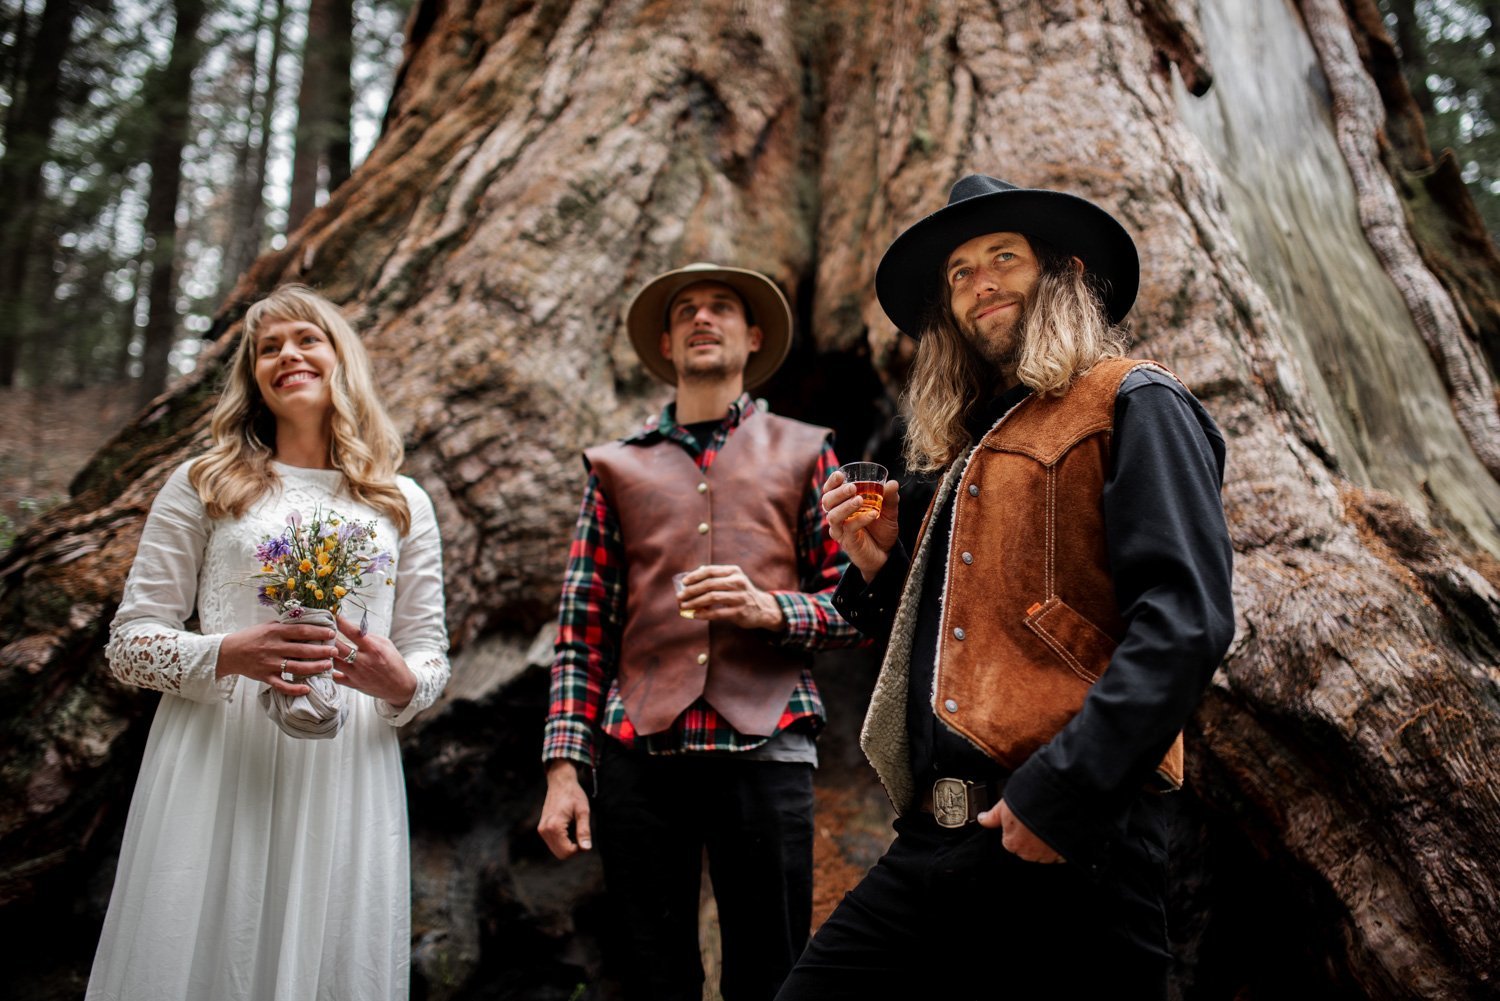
column 366, row 447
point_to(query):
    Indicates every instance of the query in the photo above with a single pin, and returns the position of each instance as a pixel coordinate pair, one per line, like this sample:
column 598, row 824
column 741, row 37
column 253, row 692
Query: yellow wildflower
column 271, row 592
column 318, row 593
column 323, row 559
column 324, row 571
column 267, row 568
column 339, row 591
column 305, row 566
column 291, row 583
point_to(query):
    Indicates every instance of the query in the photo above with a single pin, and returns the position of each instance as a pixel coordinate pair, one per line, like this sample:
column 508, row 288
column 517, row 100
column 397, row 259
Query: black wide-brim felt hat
column 910, row 276
column 646, row 318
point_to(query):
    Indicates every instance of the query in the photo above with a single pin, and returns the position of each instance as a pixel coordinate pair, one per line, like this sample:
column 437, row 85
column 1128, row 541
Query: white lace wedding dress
column 255, row 865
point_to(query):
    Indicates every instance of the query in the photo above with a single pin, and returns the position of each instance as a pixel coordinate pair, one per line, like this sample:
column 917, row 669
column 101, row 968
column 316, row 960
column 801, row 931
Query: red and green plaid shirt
column 585, row 688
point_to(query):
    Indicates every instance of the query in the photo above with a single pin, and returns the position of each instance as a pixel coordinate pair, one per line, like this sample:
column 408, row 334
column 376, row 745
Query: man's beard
column 1000, row 354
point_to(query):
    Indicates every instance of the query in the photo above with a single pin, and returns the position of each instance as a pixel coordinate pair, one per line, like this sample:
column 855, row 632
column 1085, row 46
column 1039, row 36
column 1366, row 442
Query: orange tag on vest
column 1034, row 608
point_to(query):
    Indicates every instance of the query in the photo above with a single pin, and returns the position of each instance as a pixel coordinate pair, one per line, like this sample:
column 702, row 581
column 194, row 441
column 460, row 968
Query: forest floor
column 49, row 434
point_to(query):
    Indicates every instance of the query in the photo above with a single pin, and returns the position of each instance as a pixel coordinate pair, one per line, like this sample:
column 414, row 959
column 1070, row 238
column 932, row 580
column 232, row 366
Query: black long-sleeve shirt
column 1170, row 560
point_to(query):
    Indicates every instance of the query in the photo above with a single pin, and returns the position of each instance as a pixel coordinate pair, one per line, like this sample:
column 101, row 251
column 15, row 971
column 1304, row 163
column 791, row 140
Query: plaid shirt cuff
column 567, row 738
column 811, row 623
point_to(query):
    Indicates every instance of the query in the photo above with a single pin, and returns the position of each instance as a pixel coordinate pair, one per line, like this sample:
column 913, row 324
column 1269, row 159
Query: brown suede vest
column 673, row 517
column 1029, row 617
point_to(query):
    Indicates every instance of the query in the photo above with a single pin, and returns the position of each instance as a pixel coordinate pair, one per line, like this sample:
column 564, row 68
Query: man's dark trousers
column 949, row 913
column 653, row 818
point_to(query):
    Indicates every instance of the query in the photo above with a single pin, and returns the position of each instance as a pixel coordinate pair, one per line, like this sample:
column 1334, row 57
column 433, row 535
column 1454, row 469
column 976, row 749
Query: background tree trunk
column 247, row 219
column 169, row 136
column 541, row 160
column 324, row 101
column 28, row 134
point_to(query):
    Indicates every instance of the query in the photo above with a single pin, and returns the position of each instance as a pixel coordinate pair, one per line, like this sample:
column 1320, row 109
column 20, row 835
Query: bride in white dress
column 256, row 865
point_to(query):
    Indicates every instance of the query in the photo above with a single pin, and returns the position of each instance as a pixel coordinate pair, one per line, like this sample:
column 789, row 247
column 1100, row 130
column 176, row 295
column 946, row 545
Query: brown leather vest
column 1029, row 618
column 673, row 517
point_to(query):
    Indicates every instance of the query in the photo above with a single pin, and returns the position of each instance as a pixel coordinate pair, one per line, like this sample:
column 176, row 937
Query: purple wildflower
column 294, row 519
column 266, row 599
column 273, row 550
column 378, row 562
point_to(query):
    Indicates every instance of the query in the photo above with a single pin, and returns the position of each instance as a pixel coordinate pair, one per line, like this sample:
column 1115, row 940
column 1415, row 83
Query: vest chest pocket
column 1083, row 646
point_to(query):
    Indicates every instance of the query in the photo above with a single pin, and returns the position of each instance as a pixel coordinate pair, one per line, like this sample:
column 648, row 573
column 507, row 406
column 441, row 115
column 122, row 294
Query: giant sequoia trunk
column 1302, row 271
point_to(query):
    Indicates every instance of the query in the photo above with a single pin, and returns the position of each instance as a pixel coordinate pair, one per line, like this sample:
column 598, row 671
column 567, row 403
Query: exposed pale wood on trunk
column 1358, row 119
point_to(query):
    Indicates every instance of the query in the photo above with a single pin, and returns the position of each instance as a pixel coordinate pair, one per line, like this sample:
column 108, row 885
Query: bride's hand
column 371, row 664
column 264, row 652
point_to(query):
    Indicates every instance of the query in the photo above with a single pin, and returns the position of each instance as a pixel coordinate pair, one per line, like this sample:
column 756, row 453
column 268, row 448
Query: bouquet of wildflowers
column 308, row 573
column 317, row 563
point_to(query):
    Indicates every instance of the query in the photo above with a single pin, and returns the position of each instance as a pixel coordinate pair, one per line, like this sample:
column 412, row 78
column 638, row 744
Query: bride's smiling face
column 294, row 364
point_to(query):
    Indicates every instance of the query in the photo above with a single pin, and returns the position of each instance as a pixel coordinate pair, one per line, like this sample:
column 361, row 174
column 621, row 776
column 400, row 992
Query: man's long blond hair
column 237, row 471
column 1064, row 332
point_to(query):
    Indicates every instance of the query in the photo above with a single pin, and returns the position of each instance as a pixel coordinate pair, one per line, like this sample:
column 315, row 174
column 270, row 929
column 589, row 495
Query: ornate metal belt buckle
column 950, row 802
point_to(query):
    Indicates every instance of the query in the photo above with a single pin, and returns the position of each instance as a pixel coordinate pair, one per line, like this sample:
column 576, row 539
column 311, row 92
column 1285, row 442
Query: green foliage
column 1449, row 58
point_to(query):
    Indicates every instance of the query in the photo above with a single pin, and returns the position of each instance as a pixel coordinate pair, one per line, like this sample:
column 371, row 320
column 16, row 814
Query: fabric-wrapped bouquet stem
column 320, row 713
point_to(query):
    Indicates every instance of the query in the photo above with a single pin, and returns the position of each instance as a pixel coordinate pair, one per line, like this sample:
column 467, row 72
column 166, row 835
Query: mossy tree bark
column 541, row 160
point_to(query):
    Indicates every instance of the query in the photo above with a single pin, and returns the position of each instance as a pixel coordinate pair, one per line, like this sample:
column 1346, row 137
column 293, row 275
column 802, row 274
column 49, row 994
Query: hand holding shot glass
column 723, row 593
column 859, row 502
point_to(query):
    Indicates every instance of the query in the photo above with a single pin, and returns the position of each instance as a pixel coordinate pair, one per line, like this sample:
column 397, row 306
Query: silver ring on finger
column 282, row 668
column 353, row 652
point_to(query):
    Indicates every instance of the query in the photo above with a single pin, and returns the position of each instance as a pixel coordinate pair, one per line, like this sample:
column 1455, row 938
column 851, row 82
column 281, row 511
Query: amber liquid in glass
column 871, row 496
column 686, row 613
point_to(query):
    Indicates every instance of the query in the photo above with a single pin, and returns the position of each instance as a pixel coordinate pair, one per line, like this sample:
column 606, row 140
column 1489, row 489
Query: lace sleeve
column 147, row 644
column 417, row 625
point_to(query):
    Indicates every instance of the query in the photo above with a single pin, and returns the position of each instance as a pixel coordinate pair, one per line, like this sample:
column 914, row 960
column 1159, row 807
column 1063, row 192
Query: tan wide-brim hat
column 646, row 319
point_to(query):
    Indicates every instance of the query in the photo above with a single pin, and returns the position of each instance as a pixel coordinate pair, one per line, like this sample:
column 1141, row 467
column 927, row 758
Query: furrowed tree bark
column 540, row 161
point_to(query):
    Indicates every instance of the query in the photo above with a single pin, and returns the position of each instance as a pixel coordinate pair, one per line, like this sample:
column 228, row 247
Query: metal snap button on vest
column 702, row 528
column 973, row 490
column 958, row 633
column 703, row 658
column 951, row 706
column 703, row 488
column 967, row 557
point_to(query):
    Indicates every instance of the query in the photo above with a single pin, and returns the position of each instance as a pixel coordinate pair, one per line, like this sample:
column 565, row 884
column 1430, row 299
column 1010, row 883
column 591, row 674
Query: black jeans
column 654, row 817
column 951, row 914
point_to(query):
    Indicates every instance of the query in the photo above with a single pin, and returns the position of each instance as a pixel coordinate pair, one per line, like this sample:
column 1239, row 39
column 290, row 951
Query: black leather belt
column 954, row 802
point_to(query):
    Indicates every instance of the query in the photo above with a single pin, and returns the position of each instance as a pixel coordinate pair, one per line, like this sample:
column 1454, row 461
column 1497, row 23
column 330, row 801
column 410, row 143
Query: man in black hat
column 692, row 708
column 1059, row 615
